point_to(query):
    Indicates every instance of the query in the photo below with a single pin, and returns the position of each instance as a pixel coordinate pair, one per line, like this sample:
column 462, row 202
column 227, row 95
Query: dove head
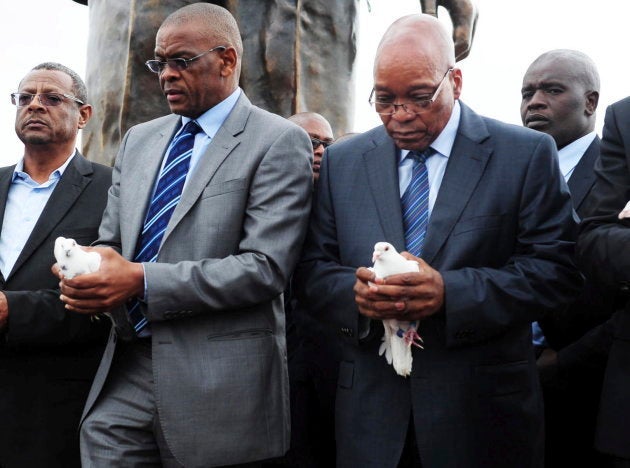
column 65, row 246
column 381, row 249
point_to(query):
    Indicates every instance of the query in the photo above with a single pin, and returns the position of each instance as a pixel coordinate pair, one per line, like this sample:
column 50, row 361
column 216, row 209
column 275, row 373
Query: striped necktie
column 415, row 204
column 165, row 199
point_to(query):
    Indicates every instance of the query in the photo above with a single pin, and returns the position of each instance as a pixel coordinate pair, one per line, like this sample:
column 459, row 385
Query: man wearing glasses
column 48, row 355
column 482, row 208
column 318, row 128
column 206, row 217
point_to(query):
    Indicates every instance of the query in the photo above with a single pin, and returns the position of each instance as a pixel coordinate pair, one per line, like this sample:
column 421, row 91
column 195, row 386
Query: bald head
column 560, row 94
column 308, row 120
column 415, row 81
column 320, row 132
column 422, row 33
column 579, row 65
column 218, row 23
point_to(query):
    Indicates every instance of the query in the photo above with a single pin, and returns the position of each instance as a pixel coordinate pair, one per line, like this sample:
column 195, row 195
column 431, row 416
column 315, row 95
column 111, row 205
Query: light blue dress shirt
column 210, row 122
column 25, row 202
column 436, row 164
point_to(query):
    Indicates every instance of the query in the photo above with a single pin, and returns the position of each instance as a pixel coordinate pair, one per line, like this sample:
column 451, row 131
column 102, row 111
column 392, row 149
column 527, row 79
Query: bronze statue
column 298, row 56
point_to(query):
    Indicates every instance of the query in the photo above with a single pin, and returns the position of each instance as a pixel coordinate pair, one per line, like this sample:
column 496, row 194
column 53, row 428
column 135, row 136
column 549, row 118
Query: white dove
column 399, row 334
column 73, row 260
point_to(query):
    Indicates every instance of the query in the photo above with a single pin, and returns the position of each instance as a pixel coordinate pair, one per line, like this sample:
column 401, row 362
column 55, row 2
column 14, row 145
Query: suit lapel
column 218, row 150
column 583, row 176
column 147, row 163
column 466, row 164
column 381, row 164
column 6, row 175
column 73, row 181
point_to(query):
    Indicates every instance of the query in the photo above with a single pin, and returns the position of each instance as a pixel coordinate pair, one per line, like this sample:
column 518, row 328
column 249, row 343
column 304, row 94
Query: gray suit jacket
column 501, row 235
column 214, row 297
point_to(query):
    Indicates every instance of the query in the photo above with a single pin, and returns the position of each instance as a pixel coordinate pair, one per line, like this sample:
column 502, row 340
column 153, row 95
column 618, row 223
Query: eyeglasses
column 45, row 99
column 316, row 142
column 177, row 64
column 414, row 106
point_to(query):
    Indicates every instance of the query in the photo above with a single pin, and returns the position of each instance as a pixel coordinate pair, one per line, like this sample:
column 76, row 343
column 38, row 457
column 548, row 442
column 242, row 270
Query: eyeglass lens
column 45, row 99
column 316, row 142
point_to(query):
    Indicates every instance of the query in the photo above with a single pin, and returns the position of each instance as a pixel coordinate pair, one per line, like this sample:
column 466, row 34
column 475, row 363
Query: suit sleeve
column 39, row 318
column 604, row 241
column 323, row 284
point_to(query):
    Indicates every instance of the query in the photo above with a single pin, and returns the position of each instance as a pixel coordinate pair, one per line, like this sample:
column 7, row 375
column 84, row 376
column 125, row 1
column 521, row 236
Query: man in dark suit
column 559, row 97
column 48, row 355
column 201, row 378
column 604, row 252
column 497, row 254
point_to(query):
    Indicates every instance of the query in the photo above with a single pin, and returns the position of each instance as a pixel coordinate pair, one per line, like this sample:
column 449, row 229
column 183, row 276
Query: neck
column 41, row 161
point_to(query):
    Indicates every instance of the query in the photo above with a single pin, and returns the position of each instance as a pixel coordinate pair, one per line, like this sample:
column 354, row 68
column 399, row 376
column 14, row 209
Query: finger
column 365, row 274
column 81, row 306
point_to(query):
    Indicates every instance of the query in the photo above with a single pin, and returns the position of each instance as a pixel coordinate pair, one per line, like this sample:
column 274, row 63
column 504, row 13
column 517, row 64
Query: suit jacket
column 501, row 235
column 215, row 293
column 594, row 305
column 604, row 251
column 572, row 394
column 48, row 356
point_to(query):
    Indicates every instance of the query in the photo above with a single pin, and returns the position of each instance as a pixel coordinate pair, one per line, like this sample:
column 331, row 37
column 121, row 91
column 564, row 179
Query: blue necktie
column 165, row 199
column 415, row 204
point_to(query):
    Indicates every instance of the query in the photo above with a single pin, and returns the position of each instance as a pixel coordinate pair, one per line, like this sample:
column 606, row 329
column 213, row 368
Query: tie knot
column 192, row 128
column 422, row 156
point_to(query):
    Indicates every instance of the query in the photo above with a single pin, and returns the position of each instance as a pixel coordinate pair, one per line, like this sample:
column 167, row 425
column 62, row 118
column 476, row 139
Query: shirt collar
column 212, row 119
column 570, row 155
column 18, row 172
column 444, row 142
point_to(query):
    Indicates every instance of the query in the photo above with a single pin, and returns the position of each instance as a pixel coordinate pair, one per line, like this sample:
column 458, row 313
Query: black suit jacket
column 48, row 356
column 604, row 251
column 594, row 306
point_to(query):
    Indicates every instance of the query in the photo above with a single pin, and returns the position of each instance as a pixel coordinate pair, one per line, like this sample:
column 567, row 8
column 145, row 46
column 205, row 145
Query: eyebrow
column 544, row 84
column 425, row 88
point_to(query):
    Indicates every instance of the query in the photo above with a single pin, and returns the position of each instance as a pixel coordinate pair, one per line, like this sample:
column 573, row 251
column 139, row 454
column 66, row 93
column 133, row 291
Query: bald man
column 481, row 206
column 318, row 128
column 560, row 93
column 205, row 220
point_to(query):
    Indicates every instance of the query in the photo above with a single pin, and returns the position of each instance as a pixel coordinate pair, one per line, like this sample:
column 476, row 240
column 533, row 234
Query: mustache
column 34, row 120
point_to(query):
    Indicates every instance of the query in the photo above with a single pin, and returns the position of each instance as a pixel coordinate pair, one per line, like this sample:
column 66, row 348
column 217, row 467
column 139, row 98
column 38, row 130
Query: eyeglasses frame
column 315, row 142
column 178, row 60
column 15, row 98
column 404, row 105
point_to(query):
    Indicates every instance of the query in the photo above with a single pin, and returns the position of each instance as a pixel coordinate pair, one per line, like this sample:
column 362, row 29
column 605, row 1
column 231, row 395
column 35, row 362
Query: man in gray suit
column 195, row 374
column 495, row 254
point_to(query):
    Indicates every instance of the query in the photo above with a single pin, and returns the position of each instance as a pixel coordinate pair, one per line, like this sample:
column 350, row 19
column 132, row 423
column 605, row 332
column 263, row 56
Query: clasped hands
column 407, row 296
column 116, row 281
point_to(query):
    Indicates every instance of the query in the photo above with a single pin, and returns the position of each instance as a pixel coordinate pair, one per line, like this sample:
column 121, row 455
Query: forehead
column 182, row 37
column 558, row 71
column 317, row 127
column 405, row 66
column 46, row 80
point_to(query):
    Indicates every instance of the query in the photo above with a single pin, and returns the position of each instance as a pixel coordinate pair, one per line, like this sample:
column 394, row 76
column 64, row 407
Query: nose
column 168, row 73
column 401, row 115
column 35, row 103
column 537, row 100
column 319, row 151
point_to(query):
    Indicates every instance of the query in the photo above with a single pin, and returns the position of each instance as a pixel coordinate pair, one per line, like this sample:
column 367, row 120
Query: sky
column 510, row 35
